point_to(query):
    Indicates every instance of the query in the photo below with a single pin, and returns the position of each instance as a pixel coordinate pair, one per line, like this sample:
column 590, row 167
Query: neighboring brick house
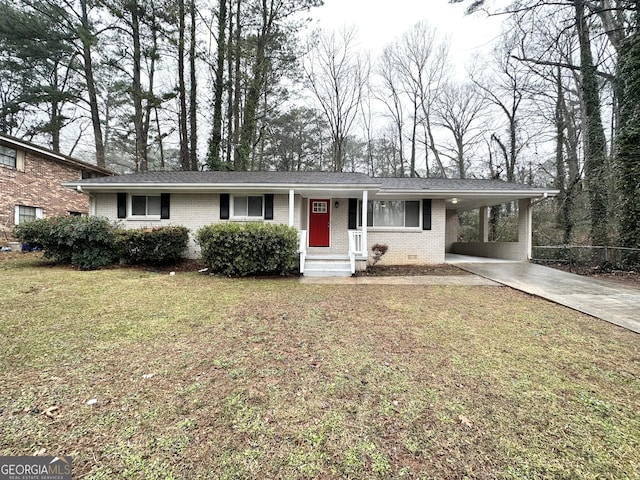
column 31, row 180
column 339, row 216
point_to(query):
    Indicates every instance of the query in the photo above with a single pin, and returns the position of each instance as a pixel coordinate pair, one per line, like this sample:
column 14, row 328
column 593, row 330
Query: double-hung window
column 8, row 156
column 249, row 206
column 24, row 214
column 392, row 214
column 145, row 205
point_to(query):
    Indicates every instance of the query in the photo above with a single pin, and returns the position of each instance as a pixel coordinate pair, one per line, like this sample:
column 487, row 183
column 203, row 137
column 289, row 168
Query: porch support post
column 365, row 221
column 483, row 234
column 292, row 205
column 524, row 227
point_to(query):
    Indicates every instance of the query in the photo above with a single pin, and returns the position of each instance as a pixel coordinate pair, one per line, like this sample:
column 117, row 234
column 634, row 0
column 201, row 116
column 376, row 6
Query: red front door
column 319, row 219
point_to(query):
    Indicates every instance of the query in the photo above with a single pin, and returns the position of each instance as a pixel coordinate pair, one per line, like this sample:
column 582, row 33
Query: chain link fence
column 580, row 256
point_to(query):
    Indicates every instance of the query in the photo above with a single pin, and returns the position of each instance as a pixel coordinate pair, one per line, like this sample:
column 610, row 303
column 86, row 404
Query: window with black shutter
column 164, row 205
column 426, row 214
column 122, row 205
column 224, row 206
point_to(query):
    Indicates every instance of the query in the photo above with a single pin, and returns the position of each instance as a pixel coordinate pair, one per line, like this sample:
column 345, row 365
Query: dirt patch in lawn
column 411, row 270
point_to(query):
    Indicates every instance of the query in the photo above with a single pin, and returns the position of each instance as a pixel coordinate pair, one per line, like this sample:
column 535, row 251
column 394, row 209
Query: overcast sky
column 378, row 22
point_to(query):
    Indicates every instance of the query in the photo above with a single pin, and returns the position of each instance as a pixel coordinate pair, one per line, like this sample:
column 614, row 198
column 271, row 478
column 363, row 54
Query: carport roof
column 451, row 184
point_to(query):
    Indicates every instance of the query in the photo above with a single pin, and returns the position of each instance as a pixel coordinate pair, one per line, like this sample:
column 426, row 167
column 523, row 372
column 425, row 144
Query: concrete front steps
column 327, row 266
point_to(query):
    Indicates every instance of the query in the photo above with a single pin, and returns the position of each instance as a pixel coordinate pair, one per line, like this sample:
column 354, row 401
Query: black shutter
column 426, row 214
column 164, row 205
column 353, row 213
column 224, row 206
column 268, row 206
column 122, row 205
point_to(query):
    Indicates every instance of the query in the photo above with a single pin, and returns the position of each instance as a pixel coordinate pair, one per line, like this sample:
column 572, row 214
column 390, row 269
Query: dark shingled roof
column 285, row 178
column 309, row 179
column 450, row 184
column 14, row 142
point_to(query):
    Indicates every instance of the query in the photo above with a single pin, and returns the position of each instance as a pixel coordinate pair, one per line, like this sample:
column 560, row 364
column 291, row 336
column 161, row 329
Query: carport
column 522, row 197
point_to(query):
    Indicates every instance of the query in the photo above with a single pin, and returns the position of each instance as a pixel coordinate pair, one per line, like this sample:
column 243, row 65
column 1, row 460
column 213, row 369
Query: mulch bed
column 410, row 270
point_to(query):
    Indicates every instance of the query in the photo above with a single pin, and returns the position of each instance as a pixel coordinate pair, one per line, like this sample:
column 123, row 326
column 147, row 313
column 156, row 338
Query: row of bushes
column 92, row 242
column 229, row 249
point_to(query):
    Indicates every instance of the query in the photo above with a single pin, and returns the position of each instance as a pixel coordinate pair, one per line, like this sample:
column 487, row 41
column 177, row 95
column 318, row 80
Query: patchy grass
column 204, row 377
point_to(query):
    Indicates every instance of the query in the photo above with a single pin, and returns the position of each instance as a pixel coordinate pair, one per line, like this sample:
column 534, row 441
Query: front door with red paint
column 319, row 220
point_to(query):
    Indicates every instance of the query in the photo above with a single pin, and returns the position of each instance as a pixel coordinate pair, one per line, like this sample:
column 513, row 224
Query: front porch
column 317, row 262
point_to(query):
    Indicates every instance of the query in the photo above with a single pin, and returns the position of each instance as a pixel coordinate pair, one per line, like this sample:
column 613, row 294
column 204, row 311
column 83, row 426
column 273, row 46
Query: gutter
column 105, row 186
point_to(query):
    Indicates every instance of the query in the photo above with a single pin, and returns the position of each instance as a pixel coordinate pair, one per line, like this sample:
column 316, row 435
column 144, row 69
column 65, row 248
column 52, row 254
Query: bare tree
column 336, row 75
column 506, row 87
column 390, row 95
column 457, row 110
column 414, row 69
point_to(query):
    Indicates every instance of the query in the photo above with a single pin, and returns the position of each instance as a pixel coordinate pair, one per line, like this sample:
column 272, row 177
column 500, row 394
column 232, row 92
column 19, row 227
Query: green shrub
column 235, row 249
column 153, row 246
column 87, row 242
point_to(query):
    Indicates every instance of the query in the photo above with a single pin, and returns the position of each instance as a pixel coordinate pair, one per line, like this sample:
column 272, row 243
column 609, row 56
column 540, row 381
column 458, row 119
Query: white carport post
column 292, row 204
column 483, row 234
column 524, row 226
column 365, row 221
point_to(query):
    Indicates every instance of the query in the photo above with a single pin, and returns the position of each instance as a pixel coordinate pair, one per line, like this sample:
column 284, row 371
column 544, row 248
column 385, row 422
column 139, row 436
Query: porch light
column 454, row 200
column 337, row 204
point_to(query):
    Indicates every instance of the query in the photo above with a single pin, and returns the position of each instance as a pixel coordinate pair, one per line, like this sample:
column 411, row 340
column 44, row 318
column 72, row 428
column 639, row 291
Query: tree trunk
column 595, row 141
column 218, row 89
column 136, row 90
column 87, row 39
column 249, row 120
column 414, row 128
column 182, row 90
column 560, row 182
column 237, row 94
column 193, row 93
column 628, row 143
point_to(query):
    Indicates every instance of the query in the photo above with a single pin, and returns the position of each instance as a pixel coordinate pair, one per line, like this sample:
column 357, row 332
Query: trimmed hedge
column 153, row 246
column 87, row 242
column 93, row 242
column 241, row 249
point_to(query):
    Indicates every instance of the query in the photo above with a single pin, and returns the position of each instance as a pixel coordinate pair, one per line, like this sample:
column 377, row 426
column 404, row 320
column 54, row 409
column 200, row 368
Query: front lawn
column 204, row 377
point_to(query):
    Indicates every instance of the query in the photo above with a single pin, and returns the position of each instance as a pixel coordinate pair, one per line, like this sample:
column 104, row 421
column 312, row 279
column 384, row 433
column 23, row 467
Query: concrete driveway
column 618, row 304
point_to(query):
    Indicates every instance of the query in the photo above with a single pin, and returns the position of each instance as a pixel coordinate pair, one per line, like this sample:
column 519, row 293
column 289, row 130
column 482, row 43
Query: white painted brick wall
column 191, row 210
column 413, row 246
column 196, row 210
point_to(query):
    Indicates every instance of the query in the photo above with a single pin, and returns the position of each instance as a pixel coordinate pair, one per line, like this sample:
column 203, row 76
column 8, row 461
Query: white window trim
column 244, row 218
column 16, row 215
column 374, row 228
column 15, row 158
column 131, row 216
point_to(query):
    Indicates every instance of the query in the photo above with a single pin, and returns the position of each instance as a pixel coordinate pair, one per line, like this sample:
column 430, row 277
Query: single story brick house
column 339, row 216
column 31, row 180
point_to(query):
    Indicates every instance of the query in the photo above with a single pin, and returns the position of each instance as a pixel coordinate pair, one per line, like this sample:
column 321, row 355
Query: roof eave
column 211, row 187
column 53, row 155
